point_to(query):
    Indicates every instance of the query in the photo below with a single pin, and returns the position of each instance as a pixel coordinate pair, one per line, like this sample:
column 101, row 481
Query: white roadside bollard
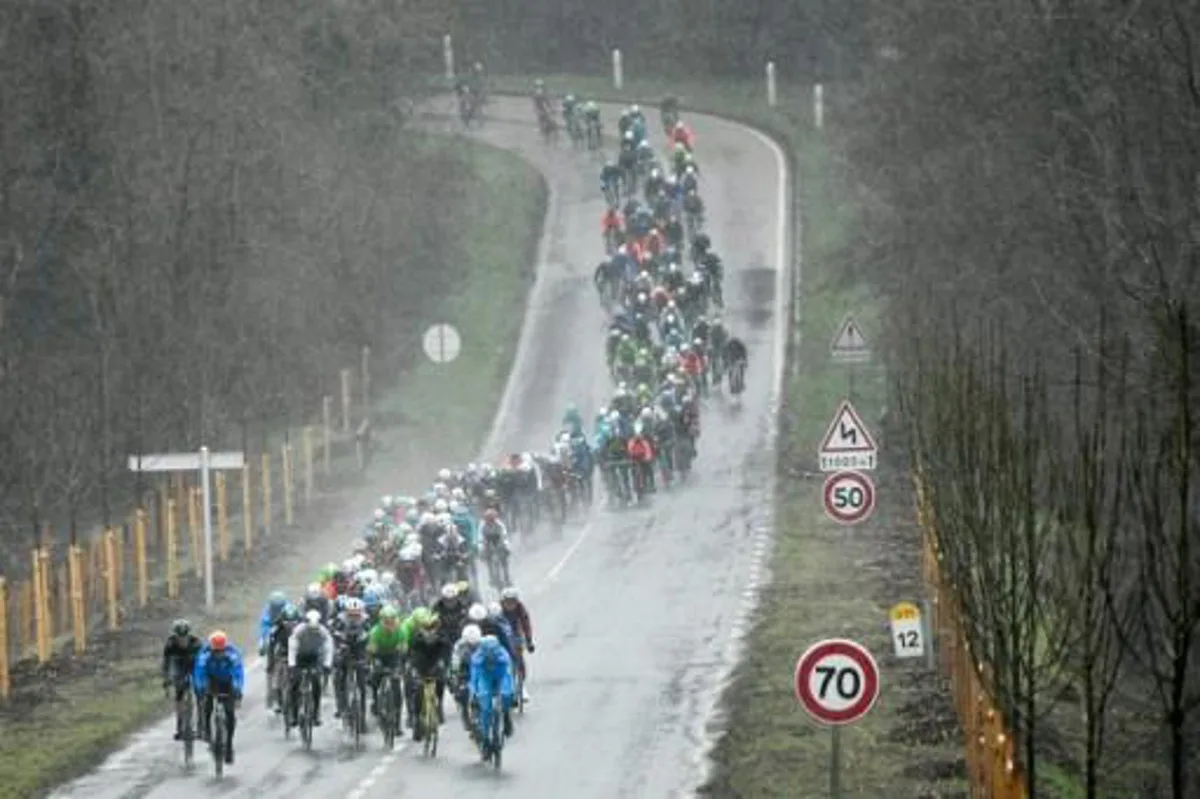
column 448, row 56
column 618, row 71
column 772, row 96
column 819, row 106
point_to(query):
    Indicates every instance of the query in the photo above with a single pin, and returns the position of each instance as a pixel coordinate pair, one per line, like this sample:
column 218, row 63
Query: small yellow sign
column 905, row 611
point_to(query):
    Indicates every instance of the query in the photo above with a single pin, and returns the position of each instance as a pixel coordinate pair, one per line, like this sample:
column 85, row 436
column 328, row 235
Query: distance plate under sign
column 848, row 443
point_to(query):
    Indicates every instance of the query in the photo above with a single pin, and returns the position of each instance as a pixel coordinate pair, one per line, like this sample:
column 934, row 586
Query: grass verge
column 65, row 717
column 826, row 580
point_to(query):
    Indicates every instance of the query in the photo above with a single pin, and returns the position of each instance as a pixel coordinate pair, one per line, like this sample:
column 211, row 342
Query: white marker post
column 441, row 343
column 618, row 71
column 772, row 96
column 205, row 462
column 448, row 56
column 819, row 106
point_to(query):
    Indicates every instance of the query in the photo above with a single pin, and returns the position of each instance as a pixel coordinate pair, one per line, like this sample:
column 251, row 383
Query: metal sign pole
column 208, row 542
column 835, row 762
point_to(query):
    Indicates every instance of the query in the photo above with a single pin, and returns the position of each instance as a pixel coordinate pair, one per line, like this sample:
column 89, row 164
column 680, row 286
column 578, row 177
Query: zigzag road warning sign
column 848, row 443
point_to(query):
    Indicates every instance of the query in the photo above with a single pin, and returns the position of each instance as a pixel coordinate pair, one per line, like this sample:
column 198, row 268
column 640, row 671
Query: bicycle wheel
column 354, row 710
column 185, row 727
column 218, row 736
column 429, row 718
column 384, row 703
column 307, row 711
column 497, row 732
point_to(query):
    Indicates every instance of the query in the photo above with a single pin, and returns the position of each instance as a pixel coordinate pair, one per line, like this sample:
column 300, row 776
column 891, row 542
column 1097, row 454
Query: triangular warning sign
column 847, row 433
column 849, row 343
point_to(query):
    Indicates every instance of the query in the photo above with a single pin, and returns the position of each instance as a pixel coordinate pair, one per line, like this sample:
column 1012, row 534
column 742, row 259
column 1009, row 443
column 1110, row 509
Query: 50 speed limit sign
column 837, row 681
column 849, row 497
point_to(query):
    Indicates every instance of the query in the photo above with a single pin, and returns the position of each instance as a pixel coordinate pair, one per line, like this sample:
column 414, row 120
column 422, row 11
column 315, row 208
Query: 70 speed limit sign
column 837, row 681
column 849, row 497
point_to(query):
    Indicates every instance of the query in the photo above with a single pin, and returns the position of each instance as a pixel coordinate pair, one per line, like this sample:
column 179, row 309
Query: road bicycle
column 353, row 719
column 389, row 704
column 430, row 723
column 308, row 708
column 219, row 740
column 184, row 712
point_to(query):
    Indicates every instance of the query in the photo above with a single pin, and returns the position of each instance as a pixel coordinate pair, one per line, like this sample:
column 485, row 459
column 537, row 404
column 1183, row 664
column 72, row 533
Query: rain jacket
column 220, row 671
column 491, row 671
column 269, row 617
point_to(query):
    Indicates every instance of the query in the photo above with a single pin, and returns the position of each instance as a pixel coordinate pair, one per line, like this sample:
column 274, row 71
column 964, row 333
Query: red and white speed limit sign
column 849, row 497
column 837, row 681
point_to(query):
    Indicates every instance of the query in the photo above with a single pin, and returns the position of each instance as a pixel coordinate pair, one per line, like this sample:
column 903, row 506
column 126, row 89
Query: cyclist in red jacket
column 517, row 616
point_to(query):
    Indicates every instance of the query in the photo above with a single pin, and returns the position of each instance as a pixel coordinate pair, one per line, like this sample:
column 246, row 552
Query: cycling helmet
column 181, row 627
column 379, row 514
column 494, row 609
column 389, row 616
column 472, row 634
column 510, row 593
column 314, row 591
column 386, row 579
column 441, row 506
column 291, row 612
column 354, row 606
column 463, row 587
column 428, row 620
column 449, row 591
column 368, row 577
column 477, row 612
column 313, row 618
column 218, row 641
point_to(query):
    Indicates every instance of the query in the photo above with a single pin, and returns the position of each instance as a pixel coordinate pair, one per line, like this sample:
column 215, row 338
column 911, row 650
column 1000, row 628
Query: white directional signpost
column 848, row 443
column 837, row 683
column 849, row 345
column 441, row 343
column 849, row 497
column 205, row 462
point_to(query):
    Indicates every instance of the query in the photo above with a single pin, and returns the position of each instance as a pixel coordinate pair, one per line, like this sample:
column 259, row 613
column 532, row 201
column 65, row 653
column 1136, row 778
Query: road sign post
column 837, row 683
column 849, row 497
column 908, row 633
column 848, row 444
column 205, row 462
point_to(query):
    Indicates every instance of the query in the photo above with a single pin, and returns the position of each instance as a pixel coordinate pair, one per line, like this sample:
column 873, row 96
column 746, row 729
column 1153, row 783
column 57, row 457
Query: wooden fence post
column 139, row 557
column 110, row 563
column 47, row 601
column 247, row 508
column 326, row 433
column 285, row 457
column 78, row 619
column 172, row 550
column 307, row 455
column 222, row 517
column 365, row 378
column 62, row 599
column 266, row 493
column 41, row 623
column 196, row 545
column 345, row 400
column 5, row 679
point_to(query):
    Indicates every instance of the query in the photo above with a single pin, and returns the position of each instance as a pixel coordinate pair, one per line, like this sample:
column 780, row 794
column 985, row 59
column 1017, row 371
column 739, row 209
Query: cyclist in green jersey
column 385, row 647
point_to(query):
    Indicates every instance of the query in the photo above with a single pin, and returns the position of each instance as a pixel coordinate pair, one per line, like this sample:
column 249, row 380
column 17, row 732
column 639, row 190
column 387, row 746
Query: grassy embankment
column 84, row 708
column 826, row 580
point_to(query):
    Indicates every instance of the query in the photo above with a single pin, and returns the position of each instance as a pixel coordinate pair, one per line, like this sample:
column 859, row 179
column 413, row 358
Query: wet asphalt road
column 634, row 611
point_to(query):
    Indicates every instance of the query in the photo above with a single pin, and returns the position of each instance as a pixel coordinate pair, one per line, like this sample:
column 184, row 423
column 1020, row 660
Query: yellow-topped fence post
column 78, row 619
column 345, row 400
column 139, row 556
column 172, row 550
column 286, row 464
column 222, row 517
column 111, row 577
column 266, row 493
column 196, row 529
column 247, row 509
column 40, row 622
column 5, row 679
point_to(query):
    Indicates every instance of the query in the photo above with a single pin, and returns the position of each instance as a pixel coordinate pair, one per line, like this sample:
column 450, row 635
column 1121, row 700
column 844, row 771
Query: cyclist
column 736, row 361
column 491, row 673
column 385, row 646
column 460, row 669
column 611, row 178
column 270, row 614
column 494, row 536
column 451, row 608
column 219, row 670
column 309, row 650
column 517, row 616
column 178, row 661
column 316, row 599
column 277, row 646
column 350, row 638
column 428, row 653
